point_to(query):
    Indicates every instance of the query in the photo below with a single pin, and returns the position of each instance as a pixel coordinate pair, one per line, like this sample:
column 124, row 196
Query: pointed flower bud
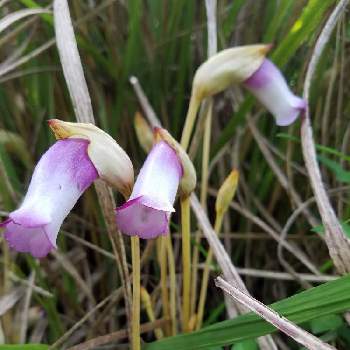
column 268, row 85
column 189, row 178
column 226, row 192
column 144, row 132
column 60, row 177
column 226, row 68
column 110, row 160
column 146, row 214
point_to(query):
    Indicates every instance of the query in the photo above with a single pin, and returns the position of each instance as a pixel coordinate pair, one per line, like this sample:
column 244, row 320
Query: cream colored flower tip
column 189, row 178
column 226, row 68
column 227, row 192
column 110, row 160
column 143, row 132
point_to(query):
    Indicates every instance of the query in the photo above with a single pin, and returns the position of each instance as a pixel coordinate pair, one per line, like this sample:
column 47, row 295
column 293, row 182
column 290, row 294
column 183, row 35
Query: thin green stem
column 203, row 200
column 186, row 261
column 135, row 325
column 205, row 277
column 172, row 274
column 163, row 263
column 189, row 123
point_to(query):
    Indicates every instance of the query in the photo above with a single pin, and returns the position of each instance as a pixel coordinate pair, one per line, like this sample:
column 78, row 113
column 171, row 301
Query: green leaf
column 319, row 147
column 341, row 174
column 345, row 226
column 246, row 345
column 303, row 28
column 326, row 323
column 329, row 298
column 24, row 347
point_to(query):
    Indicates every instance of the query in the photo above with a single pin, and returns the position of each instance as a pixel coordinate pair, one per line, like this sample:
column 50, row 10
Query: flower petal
column 59, row 179
column 110, row 160
column 146, row 213
column 134, row 218
column 28, row 240
column 268, row 85
column 159, row 177
column 227, row 67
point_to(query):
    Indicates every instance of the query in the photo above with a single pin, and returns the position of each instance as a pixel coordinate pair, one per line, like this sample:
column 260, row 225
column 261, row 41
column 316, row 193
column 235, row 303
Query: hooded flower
column 60, row 177
column 146, row 213
column 82, row 153
column 268, row 85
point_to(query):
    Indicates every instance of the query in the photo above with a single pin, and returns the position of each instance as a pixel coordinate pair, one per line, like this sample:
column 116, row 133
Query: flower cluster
column 84, row 153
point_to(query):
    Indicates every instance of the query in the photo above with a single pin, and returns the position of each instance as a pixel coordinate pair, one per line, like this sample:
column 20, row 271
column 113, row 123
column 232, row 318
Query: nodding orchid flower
column 146, row 213
column 248, row 65
column 268, row 85
column 62, row 174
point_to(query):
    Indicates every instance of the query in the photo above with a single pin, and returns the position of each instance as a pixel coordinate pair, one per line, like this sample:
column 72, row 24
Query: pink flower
column 268, row 85
column 146, row 213
column 60, row 177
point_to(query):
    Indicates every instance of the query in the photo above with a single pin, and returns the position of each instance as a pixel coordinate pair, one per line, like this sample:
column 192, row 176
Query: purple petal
column 28, row 240
column 268, row 85
column 136, row 219
column 146, row 213
column 59, row 179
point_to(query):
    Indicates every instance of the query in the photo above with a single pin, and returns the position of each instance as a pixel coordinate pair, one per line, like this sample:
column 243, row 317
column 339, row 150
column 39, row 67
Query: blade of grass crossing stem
column 329, row 298
column 280, row 322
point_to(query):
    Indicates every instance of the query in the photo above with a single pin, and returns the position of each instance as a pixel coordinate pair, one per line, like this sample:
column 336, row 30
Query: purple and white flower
column 268, row 85
column 146, row 213
column 60, row 177
column 82, row 154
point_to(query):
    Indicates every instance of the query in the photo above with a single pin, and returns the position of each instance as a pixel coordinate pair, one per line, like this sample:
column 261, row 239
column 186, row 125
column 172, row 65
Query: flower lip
column 146, row 214
column 60, row 177
column 135, row 218
column 33, row 240
column 269, row 86
column 188, row 175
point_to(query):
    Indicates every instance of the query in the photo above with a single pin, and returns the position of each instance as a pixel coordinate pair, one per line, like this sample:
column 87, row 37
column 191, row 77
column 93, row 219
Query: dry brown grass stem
column 284, row 325
column 57, row 344
column 338, row 244
column 25, row 311
column 74, row 76
column 6, row 68
column 39, row 290
column 292, row 248
column 277, row 275
column 289, row 224
column 282, row 178
column 118, row 335
column 18, row 15
column 73, row 272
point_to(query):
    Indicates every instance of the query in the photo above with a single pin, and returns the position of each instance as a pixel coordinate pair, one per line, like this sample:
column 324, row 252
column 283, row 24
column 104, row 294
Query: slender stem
column 186, row 262
column 203, row 200
column 135, row 326
column 189, row 123
column 147, row 303
column 172, row 274
column 205, row 277
column 163, row 263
